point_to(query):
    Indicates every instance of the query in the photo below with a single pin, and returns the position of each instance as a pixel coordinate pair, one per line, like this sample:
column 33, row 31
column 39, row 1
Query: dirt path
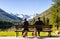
column 29, row 38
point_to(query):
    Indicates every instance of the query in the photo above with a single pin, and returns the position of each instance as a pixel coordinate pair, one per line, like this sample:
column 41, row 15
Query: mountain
column 45, row 14
column 27, row 16
column 4, row 16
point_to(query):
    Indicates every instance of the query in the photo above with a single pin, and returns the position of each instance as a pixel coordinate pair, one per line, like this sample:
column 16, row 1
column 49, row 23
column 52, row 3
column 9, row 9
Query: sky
column 27, row 7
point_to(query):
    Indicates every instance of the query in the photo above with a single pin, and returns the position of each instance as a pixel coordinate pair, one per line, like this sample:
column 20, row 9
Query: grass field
column 20, row 34
column 11, row 32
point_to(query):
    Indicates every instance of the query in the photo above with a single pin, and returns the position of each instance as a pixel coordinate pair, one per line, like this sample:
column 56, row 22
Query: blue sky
column 25, row 6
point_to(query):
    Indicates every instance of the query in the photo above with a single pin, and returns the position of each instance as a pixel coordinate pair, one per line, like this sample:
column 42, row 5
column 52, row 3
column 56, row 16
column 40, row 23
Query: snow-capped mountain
column 26, row 16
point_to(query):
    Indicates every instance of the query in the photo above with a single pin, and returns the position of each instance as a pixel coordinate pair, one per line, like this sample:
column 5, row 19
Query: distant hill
column 49, row 16
column 4, row 16
column 45, row 14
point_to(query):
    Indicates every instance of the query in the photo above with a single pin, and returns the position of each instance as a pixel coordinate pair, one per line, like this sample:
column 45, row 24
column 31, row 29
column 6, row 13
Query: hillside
column 4, row 16
column 45, row 14
column 49, row 16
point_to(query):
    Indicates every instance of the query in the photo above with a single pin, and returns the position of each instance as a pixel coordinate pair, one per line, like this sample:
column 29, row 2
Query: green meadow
column 29, row 34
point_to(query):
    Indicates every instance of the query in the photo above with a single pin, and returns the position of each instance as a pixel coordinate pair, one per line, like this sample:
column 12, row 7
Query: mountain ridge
column 6, row 16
